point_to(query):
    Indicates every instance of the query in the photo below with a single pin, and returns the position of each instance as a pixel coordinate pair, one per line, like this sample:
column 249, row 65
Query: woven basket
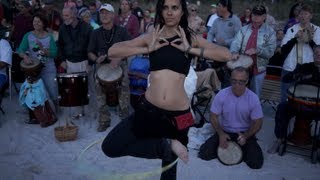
column 66, row 133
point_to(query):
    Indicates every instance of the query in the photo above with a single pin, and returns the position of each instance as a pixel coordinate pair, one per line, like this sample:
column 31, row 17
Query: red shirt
column 252, row 43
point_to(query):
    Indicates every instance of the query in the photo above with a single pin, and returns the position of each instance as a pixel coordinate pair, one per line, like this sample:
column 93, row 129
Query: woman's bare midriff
column 166, row 90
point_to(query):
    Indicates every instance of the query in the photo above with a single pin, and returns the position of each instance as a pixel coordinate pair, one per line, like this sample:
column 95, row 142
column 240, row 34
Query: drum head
column 72, row 75
column 243, row 61
column 35, row 63
column 231, row 155
column 304, row 91
column 108, row 74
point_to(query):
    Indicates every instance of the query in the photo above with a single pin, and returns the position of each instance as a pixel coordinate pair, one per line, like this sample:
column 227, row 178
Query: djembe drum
column 231, row 155
column 304, row 99
column 33, row 70
column 110, row 80
column 243, row 61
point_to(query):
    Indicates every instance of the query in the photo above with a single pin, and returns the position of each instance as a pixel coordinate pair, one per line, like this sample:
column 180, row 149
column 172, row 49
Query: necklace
column 105, row 36
column 124, row 20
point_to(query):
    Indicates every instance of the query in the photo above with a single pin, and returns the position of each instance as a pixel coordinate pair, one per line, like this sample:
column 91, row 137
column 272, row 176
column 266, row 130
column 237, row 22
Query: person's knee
column 207, row 150
column 256, row 164
column 253, row 155
column 206, row 154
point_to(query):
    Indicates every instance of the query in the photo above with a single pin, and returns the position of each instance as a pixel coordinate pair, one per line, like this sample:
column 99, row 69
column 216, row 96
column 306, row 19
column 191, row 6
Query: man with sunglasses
column 236, row 115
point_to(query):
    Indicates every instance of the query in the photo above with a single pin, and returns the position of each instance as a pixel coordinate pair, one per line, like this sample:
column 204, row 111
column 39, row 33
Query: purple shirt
column 236, row 113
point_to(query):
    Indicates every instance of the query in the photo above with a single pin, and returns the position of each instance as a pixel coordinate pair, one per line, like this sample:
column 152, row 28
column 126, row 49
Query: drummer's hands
column 251, row 51
column 27, row 60
column 25, row 92
column 242, row 139
column 235, row 56
column 223, row 139
column 63, row 65
column 157, row 42
column 181, row 43
column 101, row 58
column 115, row 63
column 299, row 35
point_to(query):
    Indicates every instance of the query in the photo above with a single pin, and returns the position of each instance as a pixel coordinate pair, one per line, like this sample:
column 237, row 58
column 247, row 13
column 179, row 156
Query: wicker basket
column 66, row 133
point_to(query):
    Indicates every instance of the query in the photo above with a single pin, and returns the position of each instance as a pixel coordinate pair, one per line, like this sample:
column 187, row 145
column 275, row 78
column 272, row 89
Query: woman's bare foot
column 180, row 150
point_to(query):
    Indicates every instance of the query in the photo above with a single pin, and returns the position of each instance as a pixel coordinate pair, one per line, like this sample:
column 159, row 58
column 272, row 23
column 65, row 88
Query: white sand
column 31, row 152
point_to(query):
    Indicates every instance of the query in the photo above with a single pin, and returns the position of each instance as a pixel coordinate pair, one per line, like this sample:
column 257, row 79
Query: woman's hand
column 181, row 43
column 157, row 42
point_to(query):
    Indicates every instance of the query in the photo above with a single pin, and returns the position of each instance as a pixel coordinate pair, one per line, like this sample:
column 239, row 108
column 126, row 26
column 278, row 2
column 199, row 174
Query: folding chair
column 271, row 89
column 197, row 101
column 207, row 84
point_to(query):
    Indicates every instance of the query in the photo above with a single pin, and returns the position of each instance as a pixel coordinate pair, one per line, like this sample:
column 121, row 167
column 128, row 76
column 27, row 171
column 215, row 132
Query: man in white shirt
column 212, row 17
column 296, row 47
column 5, row 60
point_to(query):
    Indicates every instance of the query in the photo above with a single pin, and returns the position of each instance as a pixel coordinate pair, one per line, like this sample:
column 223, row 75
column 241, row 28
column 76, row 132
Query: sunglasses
column 193, row 10
column 239, row 82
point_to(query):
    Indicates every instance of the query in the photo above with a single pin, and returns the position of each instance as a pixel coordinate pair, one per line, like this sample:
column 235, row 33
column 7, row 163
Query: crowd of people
column 97, row 40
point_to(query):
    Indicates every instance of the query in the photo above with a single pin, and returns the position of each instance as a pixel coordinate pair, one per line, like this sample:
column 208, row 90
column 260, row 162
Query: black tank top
column 169, row 57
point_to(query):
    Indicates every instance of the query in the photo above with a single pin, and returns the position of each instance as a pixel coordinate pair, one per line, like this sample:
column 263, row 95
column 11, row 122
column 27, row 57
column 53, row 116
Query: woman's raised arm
column 209, row 50
column 128, row 48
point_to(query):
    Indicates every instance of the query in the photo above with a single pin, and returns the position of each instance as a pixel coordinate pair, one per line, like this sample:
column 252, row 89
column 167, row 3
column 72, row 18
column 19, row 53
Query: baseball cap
column 107, row 7
column 259, row 10
column 213, row 5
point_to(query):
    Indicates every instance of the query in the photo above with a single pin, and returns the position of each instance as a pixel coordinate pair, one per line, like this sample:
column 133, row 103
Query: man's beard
column 69, row 22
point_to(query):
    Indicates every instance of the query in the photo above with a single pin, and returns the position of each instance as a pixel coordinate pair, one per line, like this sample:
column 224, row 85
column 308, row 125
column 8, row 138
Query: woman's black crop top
column 169, row 57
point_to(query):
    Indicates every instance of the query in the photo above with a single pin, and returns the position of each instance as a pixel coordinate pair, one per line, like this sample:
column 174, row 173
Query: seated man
column 5, row 61
column 285, row 112
column 236, row 115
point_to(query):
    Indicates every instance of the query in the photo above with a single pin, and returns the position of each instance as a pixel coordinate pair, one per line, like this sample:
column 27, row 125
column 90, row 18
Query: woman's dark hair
column 43, row 19
column 159, row 20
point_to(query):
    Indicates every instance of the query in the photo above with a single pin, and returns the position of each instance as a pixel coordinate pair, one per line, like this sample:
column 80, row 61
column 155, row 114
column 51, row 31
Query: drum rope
column 142, row 175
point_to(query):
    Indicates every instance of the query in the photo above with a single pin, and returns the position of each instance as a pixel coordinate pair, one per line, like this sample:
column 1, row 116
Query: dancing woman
column 159, row 126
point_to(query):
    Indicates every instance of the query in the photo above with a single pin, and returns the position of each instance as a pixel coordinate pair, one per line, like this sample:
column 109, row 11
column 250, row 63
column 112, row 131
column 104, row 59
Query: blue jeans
column 256, row 83
column 48, row 75
column 284, row 86
column 3, row 80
